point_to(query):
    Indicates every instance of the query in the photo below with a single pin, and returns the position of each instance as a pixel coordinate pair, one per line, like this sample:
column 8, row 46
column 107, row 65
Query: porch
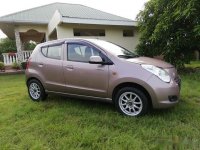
column 23, row 36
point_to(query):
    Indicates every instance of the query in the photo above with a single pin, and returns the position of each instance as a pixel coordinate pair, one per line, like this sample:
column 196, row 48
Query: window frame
column 53, row 45
column 105, row 58
column 77, row 32
column 128, row 30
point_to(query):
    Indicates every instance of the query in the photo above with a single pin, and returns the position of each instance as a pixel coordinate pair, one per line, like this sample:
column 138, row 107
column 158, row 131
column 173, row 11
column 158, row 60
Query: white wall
column 112, row 33
column 55, row 20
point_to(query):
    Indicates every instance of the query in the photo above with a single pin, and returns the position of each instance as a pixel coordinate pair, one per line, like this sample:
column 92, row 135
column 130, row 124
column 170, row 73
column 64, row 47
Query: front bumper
column 163, row 94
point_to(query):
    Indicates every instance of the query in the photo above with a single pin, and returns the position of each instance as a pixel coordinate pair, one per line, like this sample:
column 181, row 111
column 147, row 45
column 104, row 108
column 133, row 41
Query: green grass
column 63, row 123
column 193, row 64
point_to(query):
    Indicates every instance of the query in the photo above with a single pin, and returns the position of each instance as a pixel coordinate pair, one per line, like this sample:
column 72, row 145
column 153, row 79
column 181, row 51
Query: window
column 89, row 32
column 114, row 49
column 128, row 33
column 52, row 52
column 44, row 51
column 80, row 52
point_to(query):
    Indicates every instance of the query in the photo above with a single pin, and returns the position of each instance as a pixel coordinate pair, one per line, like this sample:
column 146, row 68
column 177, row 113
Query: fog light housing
column 173, row 98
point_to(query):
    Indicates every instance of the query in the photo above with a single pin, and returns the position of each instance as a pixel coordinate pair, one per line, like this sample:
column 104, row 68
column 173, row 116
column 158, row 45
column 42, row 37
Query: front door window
column 81, row 53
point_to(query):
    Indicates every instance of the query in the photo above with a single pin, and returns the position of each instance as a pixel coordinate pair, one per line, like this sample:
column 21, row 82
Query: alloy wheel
column 130, row 103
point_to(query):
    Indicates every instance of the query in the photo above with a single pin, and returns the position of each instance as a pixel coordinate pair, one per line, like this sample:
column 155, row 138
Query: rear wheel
column 131, row 101
column 36, row 90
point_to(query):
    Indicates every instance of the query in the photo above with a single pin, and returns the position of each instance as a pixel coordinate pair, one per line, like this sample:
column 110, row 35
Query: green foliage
column 30, row 46
column 170, row 28
column 193, row 64
column 2, row 66
column 23, row 65
column 15, row 65
column 7, row 45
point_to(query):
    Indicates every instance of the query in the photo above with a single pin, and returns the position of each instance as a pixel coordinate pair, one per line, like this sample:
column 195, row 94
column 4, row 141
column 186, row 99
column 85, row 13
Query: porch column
column 19, row 46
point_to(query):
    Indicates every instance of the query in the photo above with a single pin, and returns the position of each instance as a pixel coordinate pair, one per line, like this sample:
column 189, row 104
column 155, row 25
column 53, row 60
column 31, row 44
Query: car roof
column 60, row 41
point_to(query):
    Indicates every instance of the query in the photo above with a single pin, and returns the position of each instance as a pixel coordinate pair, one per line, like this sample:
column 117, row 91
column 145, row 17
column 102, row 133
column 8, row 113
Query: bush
column 1, row 57
column 7, row 45
column 16, row 66
column 23, row 65
column 30, row 45
column 2, row 66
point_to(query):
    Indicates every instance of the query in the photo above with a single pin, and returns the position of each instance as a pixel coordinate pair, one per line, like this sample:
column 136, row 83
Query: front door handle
column 69, row 67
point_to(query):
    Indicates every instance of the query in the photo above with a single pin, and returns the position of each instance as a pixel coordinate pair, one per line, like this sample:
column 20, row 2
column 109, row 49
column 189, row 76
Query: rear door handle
column 41, row 65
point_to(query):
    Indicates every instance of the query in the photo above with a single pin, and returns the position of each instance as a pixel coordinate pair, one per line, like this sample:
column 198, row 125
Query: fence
column 9, row 58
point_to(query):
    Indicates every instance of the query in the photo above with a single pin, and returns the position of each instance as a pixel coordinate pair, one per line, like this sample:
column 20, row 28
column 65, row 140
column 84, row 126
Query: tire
column 131, row 101
column 36, row 90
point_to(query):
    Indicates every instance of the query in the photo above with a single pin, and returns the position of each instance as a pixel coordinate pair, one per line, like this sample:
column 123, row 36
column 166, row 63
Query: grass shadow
column 98, row 104
column 73, row 102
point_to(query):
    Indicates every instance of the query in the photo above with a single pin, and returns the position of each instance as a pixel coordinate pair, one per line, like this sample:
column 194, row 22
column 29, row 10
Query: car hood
column 150, row 61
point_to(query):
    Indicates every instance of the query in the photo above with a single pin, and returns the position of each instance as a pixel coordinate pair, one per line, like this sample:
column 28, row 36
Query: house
column 62, row 20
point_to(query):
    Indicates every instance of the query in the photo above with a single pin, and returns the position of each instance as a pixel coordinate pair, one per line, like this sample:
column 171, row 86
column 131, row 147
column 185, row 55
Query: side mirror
column 95, row 60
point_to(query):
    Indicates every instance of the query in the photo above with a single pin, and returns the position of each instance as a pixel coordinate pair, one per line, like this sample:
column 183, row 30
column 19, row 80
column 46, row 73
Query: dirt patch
column 11, row 71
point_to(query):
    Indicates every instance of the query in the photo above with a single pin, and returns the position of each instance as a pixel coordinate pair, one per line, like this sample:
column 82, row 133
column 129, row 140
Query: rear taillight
column 28, row 63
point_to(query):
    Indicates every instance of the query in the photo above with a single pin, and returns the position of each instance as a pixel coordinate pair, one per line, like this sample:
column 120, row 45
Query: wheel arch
column 42, row 95
column 131, row 84
column 33, row 78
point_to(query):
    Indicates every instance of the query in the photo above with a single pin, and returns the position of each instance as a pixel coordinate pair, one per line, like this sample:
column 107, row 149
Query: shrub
column 16, row 66
column 7, row 45
column 23, row 65
column 1, row 57
column 2, row 66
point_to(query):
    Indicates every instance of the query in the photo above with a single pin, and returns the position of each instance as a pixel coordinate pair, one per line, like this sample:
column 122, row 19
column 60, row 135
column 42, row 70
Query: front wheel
column 36, row 90
column 131, row 102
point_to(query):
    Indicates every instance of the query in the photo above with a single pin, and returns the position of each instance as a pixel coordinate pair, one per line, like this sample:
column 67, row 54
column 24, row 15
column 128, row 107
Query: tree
column 170, row 28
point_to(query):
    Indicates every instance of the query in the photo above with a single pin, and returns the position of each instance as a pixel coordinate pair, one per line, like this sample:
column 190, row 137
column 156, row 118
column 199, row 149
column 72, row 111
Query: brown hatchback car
column 96, row 69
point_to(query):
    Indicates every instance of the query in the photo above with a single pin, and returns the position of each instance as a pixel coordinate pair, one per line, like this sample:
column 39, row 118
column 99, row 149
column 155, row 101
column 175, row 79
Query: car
column 100, row 70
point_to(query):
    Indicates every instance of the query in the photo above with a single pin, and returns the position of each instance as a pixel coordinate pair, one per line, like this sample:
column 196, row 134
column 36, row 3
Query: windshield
column 115, row 49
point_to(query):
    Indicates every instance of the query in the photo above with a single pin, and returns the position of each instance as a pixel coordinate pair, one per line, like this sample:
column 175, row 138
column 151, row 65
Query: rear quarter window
column 44, row 51
column 53, row 52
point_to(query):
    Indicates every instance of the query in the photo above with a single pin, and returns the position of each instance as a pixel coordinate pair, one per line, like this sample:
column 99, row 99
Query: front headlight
column 161, row 73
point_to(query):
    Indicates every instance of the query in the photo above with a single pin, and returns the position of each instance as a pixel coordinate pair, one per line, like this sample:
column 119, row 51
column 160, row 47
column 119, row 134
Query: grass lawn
column 62, row 123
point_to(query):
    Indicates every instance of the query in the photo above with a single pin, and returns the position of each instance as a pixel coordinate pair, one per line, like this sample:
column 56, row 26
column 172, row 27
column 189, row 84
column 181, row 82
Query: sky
column 124, row 8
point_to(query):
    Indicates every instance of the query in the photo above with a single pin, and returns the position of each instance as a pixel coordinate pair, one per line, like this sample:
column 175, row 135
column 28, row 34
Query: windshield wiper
column 127, row 56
